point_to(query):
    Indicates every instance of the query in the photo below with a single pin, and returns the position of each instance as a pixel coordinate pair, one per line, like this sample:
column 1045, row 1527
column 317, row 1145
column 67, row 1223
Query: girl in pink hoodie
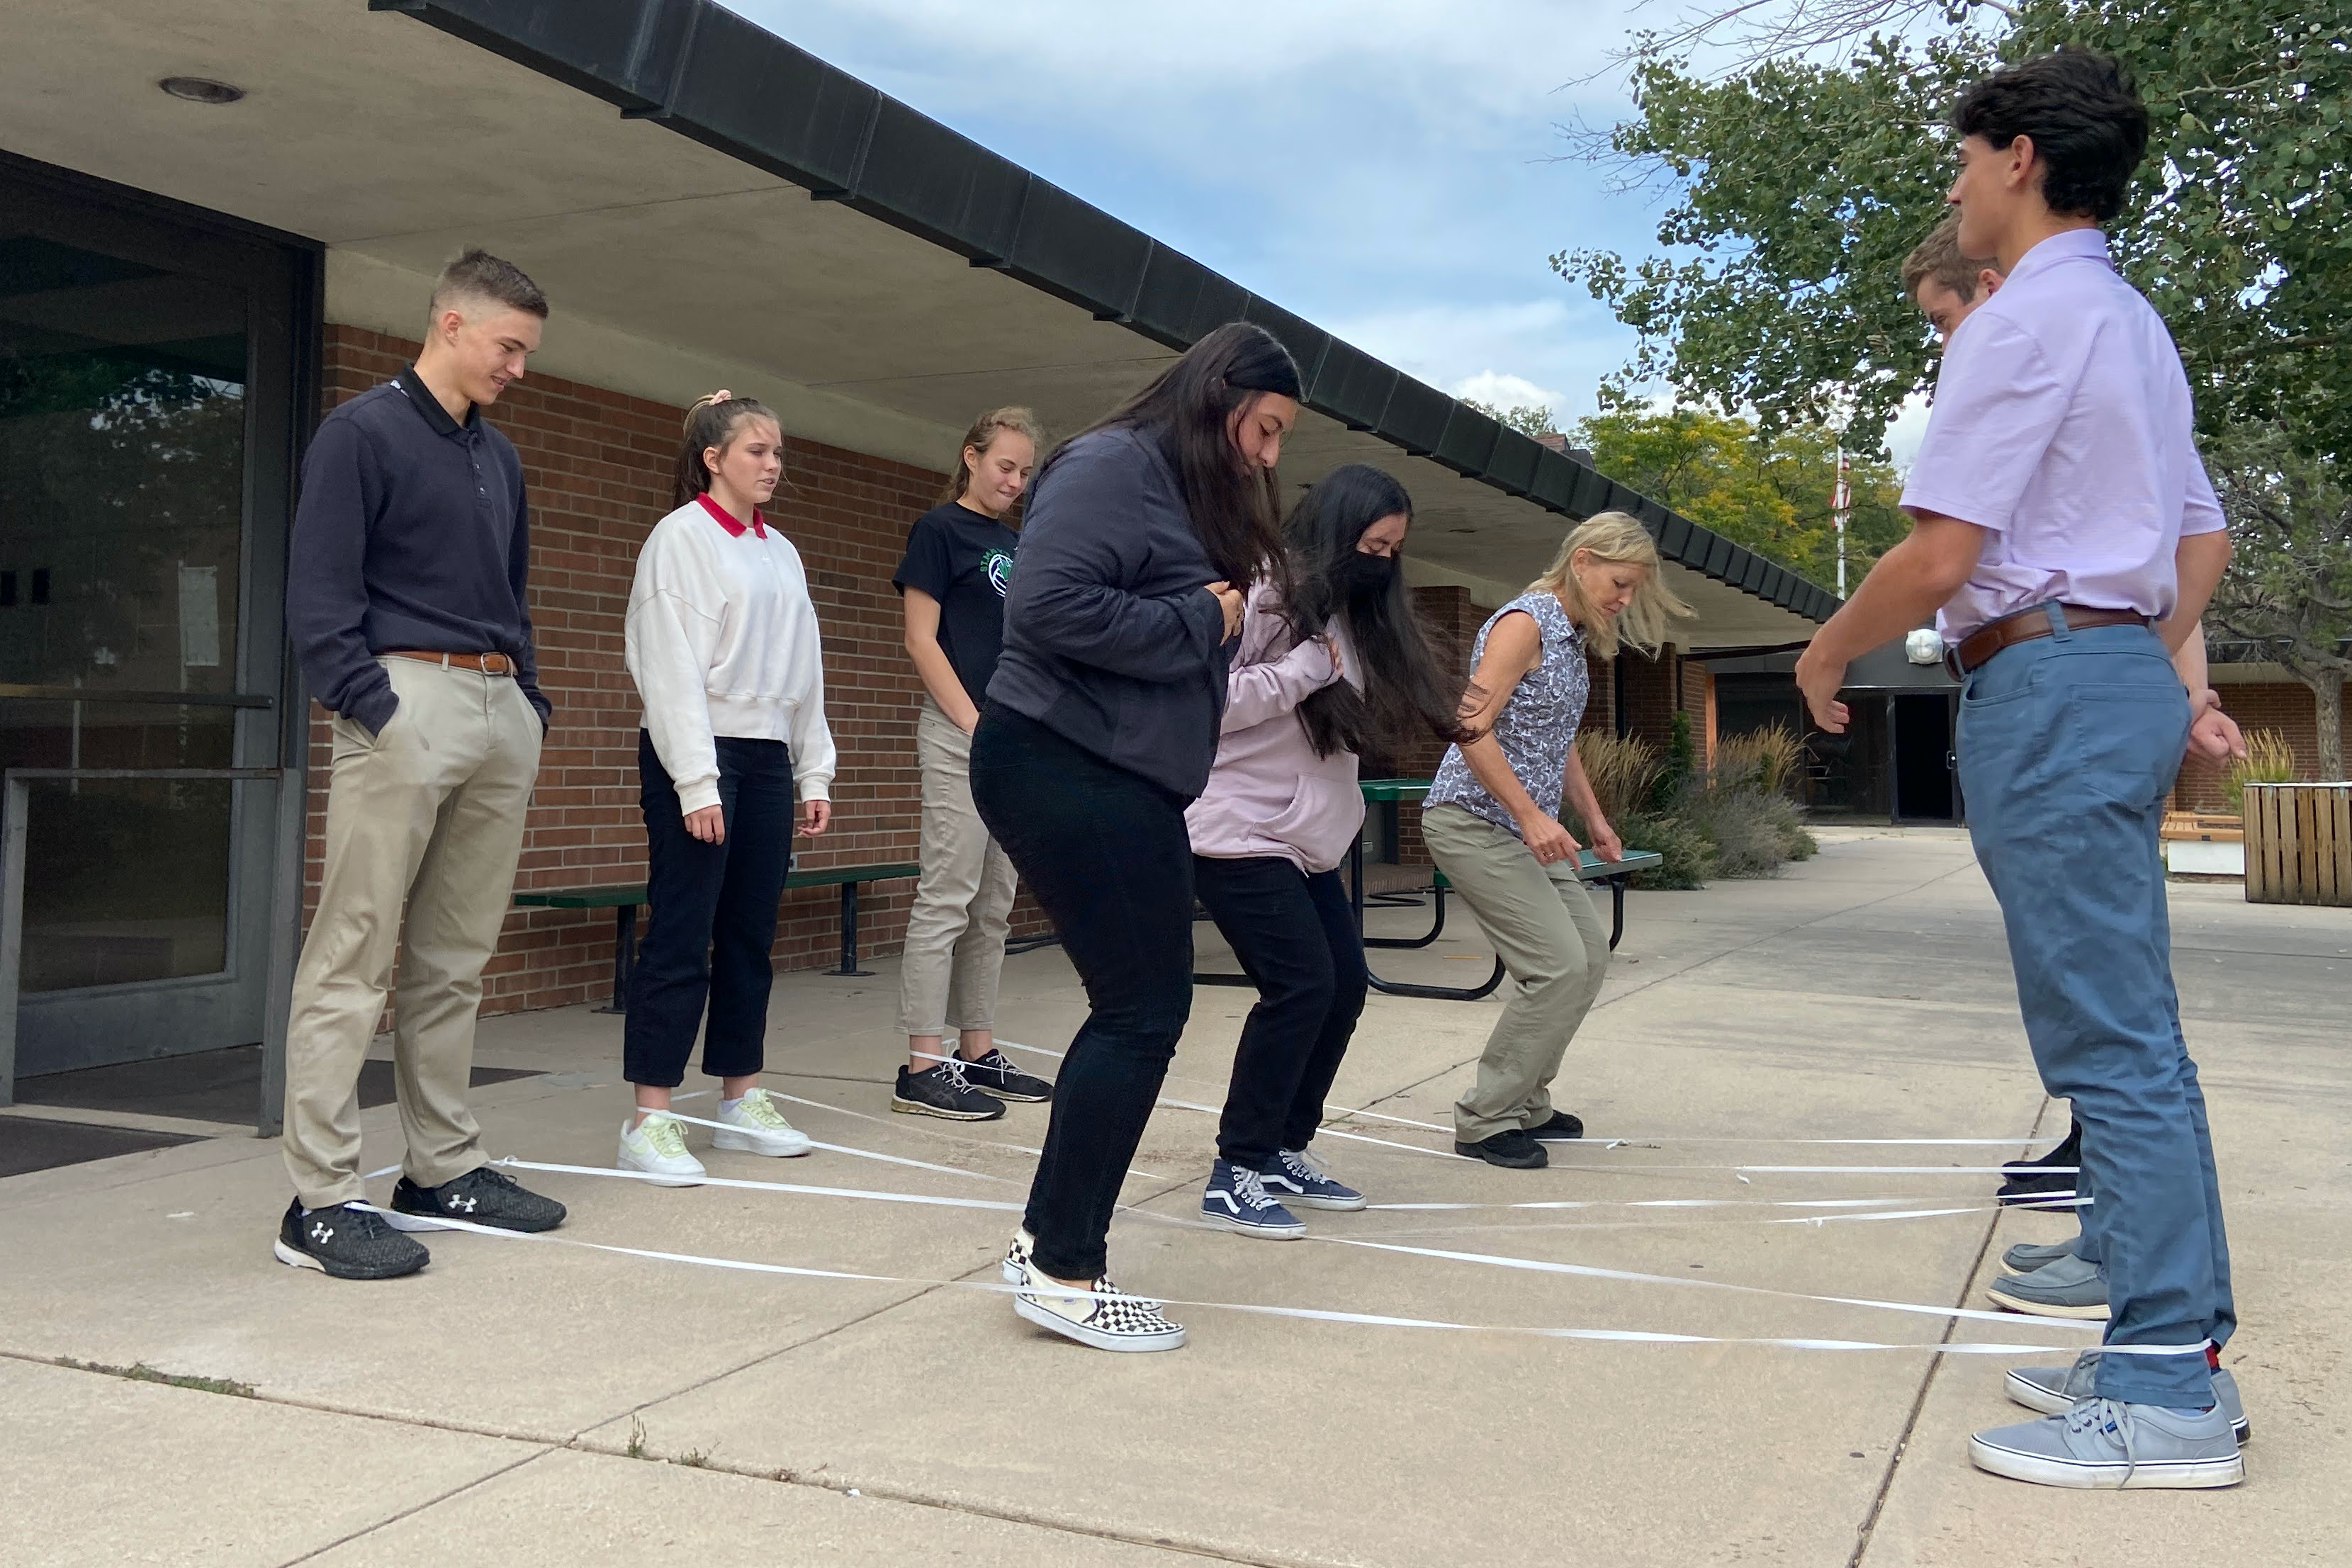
column 1345, row 664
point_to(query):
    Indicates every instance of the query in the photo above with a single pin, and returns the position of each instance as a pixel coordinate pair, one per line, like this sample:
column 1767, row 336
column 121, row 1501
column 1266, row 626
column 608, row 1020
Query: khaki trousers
column 963, row 903
column 1552, row 941
column 425, row 819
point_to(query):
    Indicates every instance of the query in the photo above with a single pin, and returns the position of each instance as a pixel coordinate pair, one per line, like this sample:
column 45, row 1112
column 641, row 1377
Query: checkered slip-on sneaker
column 1106, row 1318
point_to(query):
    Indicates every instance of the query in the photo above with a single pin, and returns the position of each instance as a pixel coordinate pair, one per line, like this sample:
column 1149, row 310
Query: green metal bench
column 1591, row 868
column 623, row 898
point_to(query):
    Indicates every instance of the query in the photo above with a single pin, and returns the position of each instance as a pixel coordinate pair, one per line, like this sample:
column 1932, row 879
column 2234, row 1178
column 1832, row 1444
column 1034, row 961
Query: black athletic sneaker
column 1562, row 1128
column 2030, row 1179
column 992, row 1074
column 346, row 1242
column 941, row 1092
column 1510, row 1148
column 482, row 1195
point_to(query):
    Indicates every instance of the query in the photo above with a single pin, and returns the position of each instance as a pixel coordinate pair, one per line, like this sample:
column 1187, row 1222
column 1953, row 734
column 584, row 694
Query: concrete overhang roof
column 706, row 203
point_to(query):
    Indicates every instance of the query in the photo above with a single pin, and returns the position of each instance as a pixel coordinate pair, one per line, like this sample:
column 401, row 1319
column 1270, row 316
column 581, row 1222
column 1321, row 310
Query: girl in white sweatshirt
column 722, row 642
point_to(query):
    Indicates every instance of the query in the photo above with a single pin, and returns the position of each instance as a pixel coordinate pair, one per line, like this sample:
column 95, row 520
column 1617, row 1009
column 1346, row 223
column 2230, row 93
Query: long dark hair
column 1186, row 407
column 1407, row 692
column 711, row 421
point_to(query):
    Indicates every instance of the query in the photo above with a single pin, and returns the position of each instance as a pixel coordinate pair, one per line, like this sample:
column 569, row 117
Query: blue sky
column 1382, row 167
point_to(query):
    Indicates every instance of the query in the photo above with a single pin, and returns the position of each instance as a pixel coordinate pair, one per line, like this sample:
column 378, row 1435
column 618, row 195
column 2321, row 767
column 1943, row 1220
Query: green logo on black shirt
column 998, row 564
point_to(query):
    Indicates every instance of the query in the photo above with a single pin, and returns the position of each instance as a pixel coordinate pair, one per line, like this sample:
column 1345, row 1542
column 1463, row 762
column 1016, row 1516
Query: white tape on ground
column 1611, row 1141
column 843, row 1149
column 1588, row 1271
column 1318, row 1315
column 903, row 1125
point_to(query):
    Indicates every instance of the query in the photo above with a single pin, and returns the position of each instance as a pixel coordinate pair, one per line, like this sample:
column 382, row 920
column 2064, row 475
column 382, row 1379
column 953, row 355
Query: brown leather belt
column 2027, row 624
column 487, row 663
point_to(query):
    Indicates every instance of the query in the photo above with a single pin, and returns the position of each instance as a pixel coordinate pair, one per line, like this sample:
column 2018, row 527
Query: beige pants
column 1553, row 943
column 424, row 819
column 964, row 904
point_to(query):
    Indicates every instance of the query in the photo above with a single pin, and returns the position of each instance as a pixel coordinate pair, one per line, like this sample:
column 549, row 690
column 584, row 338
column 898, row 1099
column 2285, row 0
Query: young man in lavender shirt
column 2063, row 525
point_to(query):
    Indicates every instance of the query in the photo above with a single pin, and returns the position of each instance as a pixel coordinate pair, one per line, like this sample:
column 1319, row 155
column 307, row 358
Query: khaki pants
column 964, row 904
column 1550, row 939
column 425, row 819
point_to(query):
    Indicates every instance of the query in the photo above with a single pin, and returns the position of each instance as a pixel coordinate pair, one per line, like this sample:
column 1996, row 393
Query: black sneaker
column 2029, row 1180
column 482, row 1195
column 941, row 1092
column 1562, row 1128
column 1510, row 1148
column 992, row 1074
column 346, row 1242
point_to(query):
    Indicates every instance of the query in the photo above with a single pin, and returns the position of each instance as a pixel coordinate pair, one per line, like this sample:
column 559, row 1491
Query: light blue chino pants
column 2068, row 746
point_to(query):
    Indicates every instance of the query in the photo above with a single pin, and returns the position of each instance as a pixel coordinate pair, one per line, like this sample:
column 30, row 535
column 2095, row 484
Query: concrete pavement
column 527, row 1402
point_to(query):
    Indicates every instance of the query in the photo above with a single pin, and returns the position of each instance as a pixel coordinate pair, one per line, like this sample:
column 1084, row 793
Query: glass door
column 147, row 373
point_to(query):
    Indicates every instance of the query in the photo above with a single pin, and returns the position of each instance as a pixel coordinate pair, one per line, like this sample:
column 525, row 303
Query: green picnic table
column 1590, row 868
column 623, row 897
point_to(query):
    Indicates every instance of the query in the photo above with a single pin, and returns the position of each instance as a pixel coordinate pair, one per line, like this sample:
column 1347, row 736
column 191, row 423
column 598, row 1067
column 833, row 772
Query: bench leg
column 849, row 935
column 1616, row 911
column 624, row 955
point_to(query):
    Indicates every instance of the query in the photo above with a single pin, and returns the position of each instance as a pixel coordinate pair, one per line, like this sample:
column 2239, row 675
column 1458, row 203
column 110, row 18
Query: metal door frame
column 282, row 277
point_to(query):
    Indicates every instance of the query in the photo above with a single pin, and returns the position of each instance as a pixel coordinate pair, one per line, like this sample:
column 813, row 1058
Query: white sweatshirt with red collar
column 722, row 639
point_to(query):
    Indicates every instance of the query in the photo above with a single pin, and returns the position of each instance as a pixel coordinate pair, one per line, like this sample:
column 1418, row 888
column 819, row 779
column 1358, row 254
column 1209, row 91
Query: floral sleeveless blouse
column 1537, row 724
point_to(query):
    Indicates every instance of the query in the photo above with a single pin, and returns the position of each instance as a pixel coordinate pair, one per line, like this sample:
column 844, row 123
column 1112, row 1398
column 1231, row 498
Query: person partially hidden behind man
column 404, row 600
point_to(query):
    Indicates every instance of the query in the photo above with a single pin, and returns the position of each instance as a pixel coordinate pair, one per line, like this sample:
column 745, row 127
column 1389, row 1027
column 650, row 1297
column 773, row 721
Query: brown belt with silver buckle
column 487, row 663
column 2027, row 624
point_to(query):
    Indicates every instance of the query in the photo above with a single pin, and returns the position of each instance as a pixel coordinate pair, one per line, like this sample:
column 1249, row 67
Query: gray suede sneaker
column 2069, row 1288
column 2053, row 1390
column 2027, row 1256
column 2108, row 1443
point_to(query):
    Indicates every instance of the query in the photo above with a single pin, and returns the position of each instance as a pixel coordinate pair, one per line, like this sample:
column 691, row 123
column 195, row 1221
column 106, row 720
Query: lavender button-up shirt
column 2062, row 425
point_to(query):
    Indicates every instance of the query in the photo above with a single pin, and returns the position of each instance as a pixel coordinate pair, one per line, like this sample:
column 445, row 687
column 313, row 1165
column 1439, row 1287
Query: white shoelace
column 1303, row 1167
column 1250, row 1187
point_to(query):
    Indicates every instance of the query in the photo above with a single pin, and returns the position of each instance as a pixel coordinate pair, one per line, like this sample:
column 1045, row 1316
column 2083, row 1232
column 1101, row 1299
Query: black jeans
column 713, row 920
column 1295, row 936
column 1106, row 851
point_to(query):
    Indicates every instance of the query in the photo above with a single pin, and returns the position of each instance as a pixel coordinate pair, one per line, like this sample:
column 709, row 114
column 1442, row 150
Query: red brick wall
column 2284, row 706
column 598, row 464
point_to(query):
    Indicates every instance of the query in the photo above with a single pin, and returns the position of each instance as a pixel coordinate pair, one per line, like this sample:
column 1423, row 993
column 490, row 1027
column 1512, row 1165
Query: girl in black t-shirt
column 959, row 558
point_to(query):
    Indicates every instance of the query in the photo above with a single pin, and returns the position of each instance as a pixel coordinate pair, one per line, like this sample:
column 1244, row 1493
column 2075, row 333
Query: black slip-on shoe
column 482, row 1195
column 1562, row 1128
column 345, row 1241
column 1510, row 1147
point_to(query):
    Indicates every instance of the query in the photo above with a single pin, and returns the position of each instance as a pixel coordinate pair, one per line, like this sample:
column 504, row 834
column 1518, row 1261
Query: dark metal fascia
column 715, row 77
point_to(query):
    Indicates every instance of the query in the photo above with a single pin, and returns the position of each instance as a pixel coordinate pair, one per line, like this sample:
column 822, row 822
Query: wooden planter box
column 2299, row 843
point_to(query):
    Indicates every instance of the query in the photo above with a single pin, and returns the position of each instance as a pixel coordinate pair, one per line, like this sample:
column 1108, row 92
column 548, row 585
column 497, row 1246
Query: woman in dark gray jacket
column 1100, row 729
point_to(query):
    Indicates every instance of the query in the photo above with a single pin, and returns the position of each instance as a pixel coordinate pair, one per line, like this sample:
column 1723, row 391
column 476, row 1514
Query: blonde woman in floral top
column 1492, row 820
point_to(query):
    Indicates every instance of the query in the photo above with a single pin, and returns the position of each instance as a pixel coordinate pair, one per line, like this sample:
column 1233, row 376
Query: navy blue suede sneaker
column 1236, row 1198
column 1293, row 1176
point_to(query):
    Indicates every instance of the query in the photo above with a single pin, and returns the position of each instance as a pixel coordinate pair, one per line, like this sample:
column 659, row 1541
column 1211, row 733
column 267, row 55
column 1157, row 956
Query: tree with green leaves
column 2289, row 588
column 1527, row 418
column 1773, row 493
column 1803, row 175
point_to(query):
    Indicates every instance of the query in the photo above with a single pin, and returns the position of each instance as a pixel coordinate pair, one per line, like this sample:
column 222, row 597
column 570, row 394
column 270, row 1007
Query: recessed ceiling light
column 201, row 89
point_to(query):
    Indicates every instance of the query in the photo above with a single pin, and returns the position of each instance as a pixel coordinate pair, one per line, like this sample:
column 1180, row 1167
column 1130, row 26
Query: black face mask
column 1366, row 576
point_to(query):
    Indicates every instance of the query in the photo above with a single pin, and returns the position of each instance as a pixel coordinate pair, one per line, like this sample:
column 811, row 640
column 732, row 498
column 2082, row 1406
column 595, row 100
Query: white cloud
column 1498, row 389
column 1908, row 429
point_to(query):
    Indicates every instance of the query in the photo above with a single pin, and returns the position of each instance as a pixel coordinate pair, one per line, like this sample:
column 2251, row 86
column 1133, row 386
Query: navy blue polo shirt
column 413, row 531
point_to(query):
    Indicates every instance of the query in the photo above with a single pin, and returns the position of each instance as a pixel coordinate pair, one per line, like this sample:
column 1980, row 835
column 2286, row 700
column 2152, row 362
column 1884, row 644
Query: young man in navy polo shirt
column 405, row 601
column 2064, row 527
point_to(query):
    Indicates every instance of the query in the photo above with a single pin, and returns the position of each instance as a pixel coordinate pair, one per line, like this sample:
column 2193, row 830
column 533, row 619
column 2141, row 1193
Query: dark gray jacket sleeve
column 519, row 576
column 1086, row 536
column 326, row 587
